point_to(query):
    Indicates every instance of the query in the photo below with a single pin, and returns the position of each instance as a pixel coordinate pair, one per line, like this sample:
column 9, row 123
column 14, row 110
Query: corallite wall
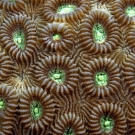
column 67, row 67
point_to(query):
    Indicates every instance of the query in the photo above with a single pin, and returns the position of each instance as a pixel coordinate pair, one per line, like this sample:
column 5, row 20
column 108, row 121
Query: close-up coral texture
column 67, row 67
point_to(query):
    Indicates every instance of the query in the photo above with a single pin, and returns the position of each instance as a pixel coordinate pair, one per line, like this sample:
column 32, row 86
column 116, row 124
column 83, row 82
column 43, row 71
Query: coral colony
column 67, row 67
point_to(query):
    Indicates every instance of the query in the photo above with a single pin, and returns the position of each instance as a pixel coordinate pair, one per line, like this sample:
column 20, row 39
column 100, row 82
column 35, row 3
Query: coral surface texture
column 67, row 67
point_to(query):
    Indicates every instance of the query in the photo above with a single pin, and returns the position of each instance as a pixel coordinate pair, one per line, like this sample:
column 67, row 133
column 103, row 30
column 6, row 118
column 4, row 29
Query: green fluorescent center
column 19, row 39
column 99, row 33
column 56, row 37
column 130, row 11
column 2, row 103
column 12, row 0
column 101, row 79
column 57, row 75
column 107, row 124
column 36, row 110
column 66, row 9
column 69, row 131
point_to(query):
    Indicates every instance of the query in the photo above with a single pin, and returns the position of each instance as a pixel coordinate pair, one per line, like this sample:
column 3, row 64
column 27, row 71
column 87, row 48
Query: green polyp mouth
column 2, row 104
column 130, row 11
column 19, row 39
column 12, row 0
column 101, row 79
column 69, row 131
column 99, row 33
column 107, row 124
column 65, row 9
column 56, row 37
column 36, row 110
column 57, row 75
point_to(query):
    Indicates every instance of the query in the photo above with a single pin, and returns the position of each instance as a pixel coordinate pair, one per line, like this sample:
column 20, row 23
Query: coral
column 56, row 73
column 57, row 37
column 128, row 72
column 129, row 37
column 100, row 77
column 18, row 37
column 67, row 67
column 108, row 119
column 36, row 110
column 13, row 5
column 71, row 11
column 8, row 108
column 69, row 124
column 124, row 11
column 99, row 33
column 6, row 67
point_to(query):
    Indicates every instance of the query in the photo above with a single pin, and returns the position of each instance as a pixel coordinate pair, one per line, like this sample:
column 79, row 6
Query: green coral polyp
column 99, row 33
column 36, row 110
column 2, row 103
column 56, row 37
column 101, row 79
column 19, row 39
column 66, row 9
column 107, row 124
column 69, row 131
column 57, row 75
column 130, row 11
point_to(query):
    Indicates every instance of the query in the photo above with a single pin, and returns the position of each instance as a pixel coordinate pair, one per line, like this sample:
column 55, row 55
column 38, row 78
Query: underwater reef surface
column 67, row 67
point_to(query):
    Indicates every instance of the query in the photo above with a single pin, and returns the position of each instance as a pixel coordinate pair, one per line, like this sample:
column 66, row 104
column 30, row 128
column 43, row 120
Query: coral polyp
column 20, row 41
column 36, row 110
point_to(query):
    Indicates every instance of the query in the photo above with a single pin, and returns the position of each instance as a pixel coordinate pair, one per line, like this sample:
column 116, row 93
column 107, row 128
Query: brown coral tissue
column 69, row 124
column 18, row 37
column 123, row 10
column 6, row 67
column 57, row 10
column 99, row 33
column 67, row 67
column 100, row 77
column 36, row 109
column 8, row 108
column 108, row 119
column 129, row 72
column 57, row 37
column 14, row 6
column 57, row 74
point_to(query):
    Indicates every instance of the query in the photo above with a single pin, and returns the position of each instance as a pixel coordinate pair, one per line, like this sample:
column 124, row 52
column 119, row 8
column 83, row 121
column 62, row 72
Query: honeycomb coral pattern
column 67, row 67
